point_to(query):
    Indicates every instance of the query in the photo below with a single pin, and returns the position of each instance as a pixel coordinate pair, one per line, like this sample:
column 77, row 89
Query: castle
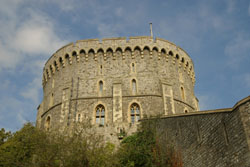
column 115, row 82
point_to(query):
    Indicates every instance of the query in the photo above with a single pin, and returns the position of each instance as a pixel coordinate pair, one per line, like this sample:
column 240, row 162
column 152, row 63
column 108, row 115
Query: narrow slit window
column 47, row 123
column 100, row 86
column 134, row 86
column 182, row 93
column 100, row 69
column 79, row 117
column 133, row 67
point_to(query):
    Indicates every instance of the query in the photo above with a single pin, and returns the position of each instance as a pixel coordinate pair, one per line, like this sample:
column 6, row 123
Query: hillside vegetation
column 31, row 147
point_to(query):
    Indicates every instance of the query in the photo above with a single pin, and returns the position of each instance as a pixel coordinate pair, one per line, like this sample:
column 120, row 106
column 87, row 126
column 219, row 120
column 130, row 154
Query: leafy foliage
column 145, row 148
column 31, row 147
column 4, row 136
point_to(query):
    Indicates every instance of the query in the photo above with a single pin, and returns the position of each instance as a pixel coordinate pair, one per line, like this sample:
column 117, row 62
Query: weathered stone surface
column 215, row 138
column 116, row 72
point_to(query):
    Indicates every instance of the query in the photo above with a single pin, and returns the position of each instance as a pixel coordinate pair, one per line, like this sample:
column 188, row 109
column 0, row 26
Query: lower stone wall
column 209, row 139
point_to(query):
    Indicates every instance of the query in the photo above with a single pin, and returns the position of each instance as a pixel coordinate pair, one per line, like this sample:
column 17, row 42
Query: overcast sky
column 215, row 33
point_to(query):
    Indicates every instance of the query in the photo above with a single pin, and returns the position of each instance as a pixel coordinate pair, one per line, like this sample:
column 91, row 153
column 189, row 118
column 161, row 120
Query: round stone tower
column 115, row 82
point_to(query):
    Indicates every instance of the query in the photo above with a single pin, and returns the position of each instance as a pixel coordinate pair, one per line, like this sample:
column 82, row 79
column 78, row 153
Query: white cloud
column 35, row 39
column 12, row 113
column 28, row 37
column 31, row 92
column 237, row 50
column 29, row 33
column 8, row 57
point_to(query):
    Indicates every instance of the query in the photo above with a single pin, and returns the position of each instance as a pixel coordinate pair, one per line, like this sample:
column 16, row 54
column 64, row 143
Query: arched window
column 134, row 86
column 134, row 112
column 74, row 53
column 100, row 114
column 109, row 52
column 100, row 86
column 182, row 60
column 47, row 123
column 51, row 69
column 82, row 51
column 182, row 93
column 61, row 61
column 170, row 53
column 67, row 57
column 186, row 111
column 118, row 51
column 47, row 72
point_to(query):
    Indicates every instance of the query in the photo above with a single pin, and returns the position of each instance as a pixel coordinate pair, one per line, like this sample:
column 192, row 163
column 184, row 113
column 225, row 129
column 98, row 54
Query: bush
column 144, row 148
column 31, row 147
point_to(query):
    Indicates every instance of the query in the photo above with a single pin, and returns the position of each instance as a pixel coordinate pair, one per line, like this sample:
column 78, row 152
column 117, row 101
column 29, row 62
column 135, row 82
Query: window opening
column 100, row 86
column 47, row 123
column 133, row 67
column 135, row 113
column 101, row 69
column 79, row 117
column 182, row 93
column 134, row 86
column 100, row 114
column 74, row 53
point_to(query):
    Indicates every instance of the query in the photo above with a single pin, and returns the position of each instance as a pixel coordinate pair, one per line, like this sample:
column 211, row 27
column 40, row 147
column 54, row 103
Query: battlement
column 158, row 49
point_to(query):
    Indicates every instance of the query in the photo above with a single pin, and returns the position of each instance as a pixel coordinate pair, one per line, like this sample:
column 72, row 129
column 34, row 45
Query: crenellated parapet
column 114, row 48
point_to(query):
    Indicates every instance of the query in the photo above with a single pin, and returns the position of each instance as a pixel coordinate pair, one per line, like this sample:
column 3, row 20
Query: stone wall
column 216, row 138
column 163, row 74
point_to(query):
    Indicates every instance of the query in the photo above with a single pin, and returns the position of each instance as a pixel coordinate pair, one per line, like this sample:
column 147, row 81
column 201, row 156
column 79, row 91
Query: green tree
column 146, row 148
column 4, row 136
column 31, row 147
column 19, row 148
column 80, row 146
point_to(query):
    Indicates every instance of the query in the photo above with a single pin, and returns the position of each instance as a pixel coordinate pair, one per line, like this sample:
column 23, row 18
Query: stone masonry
column 214, row 138
column 126, row 79
column 115, row 82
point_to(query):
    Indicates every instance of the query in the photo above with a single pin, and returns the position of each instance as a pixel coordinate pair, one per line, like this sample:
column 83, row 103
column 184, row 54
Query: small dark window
column 170, row 53
column 47, row 123
column 74, row 53
column 100, row 86
column 182, row 93
column 79, row 117
column 101, row 69
column 133, row 67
